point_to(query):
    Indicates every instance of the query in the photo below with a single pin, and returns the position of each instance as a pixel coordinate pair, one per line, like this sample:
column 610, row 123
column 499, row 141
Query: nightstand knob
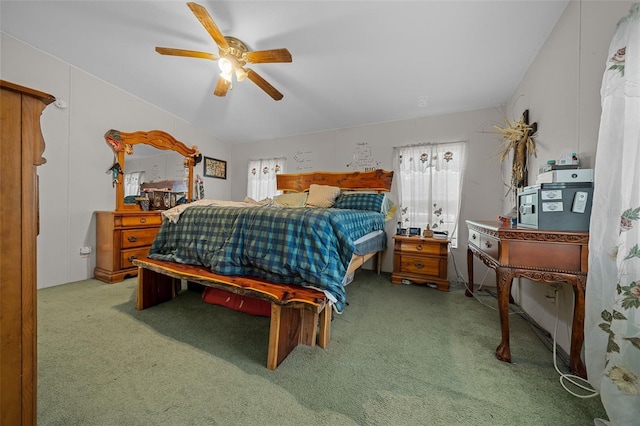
column 419, row 247
column 131, row 258
column 143, row 220
column 419, row 265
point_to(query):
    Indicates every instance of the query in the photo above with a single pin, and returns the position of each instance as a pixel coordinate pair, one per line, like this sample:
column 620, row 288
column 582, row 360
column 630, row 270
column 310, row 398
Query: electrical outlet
column 552, row 293
column 85, row 251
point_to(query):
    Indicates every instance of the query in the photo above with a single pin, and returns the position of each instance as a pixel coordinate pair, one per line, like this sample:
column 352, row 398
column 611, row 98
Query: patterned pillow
column 322, row 195
column 371, row 202
column 367, row 201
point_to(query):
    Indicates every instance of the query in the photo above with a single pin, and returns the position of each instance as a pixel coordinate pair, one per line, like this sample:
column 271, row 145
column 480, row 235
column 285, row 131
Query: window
column 261, row 182
column 429, row 182
column 132, row 182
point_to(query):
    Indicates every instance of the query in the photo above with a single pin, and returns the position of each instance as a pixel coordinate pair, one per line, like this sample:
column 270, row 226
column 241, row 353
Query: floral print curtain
column 612, row 317
column 261, row 181
column 429, row 185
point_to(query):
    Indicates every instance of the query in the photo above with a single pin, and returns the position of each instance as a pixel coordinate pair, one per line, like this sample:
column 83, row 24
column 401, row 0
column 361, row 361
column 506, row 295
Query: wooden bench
column 295, row 310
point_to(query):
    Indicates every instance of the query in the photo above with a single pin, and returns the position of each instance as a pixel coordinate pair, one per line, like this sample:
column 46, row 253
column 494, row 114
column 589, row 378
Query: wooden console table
column 538, row 255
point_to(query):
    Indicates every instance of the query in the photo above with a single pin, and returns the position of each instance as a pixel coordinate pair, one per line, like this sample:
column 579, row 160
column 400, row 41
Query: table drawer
column 127, row 256
column 138, row 237
column 489, row 245
column 474, row 238
column 419, row 247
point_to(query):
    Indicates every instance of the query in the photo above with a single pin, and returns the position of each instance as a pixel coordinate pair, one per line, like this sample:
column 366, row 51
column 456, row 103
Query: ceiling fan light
column 225, row 65
column 226, row 75
column 241, row 74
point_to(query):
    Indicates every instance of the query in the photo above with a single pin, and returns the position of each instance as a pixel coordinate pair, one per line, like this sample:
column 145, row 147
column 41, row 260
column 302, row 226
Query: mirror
column 123, row 144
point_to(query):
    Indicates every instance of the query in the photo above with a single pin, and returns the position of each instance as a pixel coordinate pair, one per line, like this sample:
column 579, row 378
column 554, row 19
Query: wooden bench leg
column 291, row 326
column 154, row 288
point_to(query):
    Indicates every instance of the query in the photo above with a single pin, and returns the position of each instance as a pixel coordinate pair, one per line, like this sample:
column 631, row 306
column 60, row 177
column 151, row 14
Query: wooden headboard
column 375, row 180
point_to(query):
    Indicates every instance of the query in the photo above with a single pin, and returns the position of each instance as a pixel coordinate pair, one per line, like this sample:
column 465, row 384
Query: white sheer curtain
column 132, row 182
column 429, row 184
column 612, row 317
column 261, row 181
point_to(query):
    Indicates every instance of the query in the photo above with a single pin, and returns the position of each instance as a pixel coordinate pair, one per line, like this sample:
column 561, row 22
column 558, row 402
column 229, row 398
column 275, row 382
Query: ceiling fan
column 233, row 56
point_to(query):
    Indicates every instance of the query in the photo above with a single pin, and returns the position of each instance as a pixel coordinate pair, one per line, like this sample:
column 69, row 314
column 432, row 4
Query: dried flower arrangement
column 518, row 136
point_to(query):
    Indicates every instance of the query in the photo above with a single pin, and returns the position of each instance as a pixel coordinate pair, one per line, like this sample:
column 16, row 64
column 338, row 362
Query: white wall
column 561, row 90
column 74, row 183
column 338, row 150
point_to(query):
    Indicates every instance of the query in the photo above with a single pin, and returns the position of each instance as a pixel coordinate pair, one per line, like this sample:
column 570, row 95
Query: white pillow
column 322, row 195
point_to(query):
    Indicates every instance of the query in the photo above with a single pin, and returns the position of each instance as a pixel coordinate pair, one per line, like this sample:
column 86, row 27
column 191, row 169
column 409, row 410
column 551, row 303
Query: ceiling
column 354, row 62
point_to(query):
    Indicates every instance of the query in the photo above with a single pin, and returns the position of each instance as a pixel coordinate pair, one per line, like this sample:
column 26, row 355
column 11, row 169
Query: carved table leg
column 577, row 328
column 504, row 278
column 469, row 291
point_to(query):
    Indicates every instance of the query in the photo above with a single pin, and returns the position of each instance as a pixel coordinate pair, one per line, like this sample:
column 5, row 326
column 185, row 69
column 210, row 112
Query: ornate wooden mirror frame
column 122, row 143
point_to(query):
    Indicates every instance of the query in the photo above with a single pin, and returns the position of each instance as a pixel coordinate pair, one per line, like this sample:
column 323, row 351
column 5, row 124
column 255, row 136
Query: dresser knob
column 488, row 244
column 143, row 220
column 474, row 236
column 419, row 247
column 132, row 258
column 419, row 265
column 132, row 239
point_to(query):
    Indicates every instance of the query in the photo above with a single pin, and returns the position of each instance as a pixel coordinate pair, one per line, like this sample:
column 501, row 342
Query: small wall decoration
column 215, row 168
column 518, row 137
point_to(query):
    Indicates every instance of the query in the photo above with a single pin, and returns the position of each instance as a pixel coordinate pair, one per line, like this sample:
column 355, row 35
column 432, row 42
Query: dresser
column 540, row 256
column 122, row 237
column 21, row 149
column 421, row 261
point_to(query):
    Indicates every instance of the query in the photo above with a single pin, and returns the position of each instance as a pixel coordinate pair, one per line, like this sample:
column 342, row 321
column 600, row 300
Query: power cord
column 565, row 378
column 576, row 381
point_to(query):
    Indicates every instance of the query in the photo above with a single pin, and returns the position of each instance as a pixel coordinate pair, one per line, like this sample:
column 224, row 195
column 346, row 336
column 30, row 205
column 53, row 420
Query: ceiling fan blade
column 263, row 84
column 207, row 22
column 222, row 86
column 187, row 53
column 269, row 56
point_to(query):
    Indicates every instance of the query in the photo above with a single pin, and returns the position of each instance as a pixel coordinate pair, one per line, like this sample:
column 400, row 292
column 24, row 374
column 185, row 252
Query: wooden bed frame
column 299, row 315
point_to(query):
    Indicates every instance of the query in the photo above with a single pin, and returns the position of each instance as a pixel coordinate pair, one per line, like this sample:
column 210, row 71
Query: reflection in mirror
column 152, row 170
column 168, row 175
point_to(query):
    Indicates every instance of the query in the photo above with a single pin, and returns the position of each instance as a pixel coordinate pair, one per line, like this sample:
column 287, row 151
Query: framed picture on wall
column 215, row 168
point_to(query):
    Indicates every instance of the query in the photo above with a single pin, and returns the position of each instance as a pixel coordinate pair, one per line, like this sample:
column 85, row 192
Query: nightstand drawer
column 419, row 247
column 420, row 265
column 138, row 237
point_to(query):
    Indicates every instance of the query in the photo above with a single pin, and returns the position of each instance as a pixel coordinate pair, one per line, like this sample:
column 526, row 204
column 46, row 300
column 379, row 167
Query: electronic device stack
column 561, row 198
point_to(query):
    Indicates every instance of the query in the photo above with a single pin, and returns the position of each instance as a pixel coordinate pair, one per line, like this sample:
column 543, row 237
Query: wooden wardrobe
column 21, row 151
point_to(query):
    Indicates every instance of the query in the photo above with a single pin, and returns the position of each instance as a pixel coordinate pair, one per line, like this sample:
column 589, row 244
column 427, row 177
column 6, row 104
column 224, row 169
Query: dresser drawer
column 138, row 237
column 127, row 256
column 419, row 247
column 140, row 220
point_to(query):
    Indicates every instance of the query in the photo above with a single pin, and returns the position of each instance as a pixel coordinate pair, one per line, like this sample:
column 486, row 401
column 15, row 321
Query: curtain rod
column 284, row 157
column 430, row 143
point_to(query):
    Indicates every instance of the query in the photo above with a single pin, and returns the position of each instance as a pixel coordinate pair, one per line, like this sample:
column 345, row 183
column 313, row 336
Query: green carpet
column 398, row 355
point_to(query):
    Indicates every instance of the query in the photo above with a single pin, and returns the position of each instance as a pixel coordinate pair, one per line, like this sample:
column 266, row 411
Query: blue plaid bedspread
column 310, row 247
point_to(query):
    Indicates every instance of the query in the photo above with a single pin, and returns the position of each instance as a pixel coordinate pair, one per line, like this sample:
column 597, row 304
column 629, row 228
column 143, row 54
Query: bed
column 273, row 249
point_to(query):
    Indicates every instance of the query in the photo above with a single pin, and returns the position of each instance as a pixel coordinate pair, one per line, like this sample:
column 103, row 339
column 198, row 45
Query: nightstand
column 421, row 261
